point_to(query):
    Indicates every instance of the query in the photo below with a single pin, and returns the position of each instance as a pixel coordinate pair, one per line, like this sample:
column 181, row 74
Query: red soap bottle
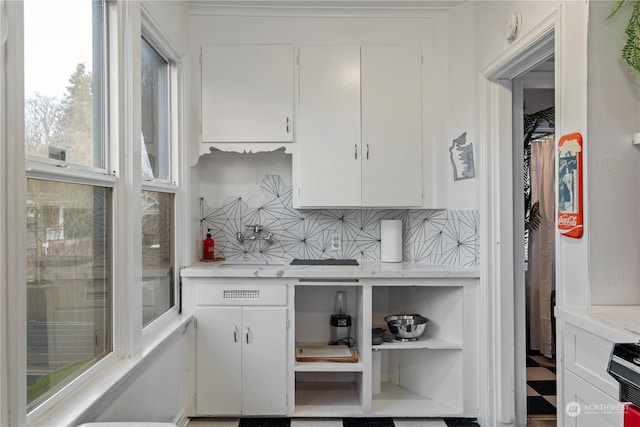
column 207, row 247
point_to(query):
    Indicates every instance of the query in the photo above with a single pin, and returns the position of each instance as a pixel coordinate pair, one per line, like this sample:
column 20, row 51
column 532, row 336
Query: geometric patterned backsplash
column 433, row 237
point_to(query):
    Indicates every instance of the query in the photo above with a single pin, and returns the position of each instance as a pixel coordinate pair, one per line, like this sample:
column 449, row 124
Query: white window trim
column 159, row 40
column 132, row 347
column 13, row 197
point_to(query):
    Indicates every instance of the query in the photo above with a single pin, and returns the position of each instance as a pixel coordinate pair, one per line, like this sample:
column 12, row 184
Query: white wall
column 154, row 392
column 171, row 16
column 613, row 162
column 456, row 106
column 570, row 17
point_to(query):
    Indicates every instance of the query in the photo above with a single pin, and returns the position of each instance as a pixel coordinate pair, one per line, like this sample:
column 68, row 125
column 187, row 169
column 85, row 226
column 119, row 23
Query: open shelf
column 393, row 400
column 422, row 343
column 335, row 399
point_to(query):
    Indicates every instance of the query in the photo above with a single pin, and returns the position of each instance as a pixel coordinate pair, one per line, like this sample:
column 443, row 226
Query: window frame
column 162, row 44
column 42, row 168
column 122, row 28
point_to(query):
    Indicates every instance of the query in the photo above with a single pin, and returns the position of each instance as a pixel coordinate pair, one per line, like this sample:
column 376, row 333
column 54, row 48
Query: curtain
column 540, row 271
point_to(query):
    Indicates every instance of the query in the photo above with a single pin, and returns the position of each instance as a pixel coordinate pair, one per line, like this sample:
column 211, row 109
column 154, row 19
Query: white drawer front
column 587, row 355
column 241, row 294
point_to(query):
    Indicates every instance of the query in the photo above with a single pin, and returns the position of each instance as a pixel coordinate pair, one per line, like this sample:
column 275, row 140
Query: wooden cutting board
column 332, row 353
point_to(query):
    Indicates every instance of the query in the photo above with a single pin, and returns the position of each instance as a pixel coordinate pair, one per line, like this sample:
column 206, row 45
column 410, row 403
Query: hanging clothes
column 540, row 273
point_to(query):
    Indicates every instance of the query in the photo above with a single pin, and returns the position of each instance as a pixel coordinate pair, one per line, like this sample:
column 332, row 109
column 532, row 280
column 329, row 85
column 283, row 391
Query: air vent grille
column 241, row 294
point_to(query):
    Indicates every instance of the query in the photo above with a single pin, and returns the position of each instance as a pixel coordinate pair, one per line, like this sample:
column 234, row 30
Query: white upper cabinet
column 329, row 153
column 360, row 127
column 391, row 126
column 247, row 93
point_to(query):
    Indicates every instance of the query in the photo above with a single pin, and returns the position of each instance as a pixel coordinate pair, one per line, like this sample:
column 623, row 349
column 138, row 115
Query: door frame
column 530, row 80
column 505, row 366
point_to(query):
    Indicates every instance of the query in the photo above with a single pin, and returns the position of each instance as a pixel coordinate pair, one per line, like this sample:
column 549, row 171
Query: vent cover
column 240, row 294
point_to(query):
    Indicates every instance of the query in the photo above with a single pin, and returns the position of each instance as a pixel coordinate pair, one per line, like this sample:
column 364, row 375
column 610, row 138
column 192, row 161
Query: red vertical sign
column 570, row 191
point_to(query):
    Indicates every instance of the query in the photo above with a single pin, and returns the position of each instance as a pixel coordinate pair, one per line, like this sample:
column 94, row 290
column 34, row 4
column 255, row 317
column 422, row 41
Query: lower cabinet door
column 264, row 361
column 218, row 360
column 588, row 406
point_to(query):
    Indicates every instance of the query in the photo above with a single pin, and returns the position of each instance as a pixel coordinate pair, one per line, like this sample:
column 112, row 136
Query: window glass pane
column 62, row 62
column 68, row 283
column 157, row 254
column 155, row 114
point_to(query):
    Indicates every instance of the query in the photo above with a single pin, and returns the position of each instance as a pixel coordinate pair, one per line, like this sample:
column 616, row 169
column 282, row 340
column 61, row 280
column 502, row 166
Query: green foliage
column 631, row 49
column 531, row 123
column 59, row 377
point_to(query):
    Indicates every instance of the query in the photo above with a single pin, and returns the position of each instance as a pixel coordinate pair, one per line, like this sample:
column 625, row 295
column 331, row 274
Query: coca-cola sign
column 569, row 191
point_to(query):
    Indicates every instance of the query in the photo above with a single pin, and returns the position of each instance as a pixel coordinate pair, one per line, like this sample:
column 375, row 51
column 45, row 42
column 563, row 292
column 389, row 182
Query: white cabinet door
column 218, row 359
column 264, row 361
column 329, row 153
column 391, row 126
column 241, row 361
column 360, row 127
column 247, row 93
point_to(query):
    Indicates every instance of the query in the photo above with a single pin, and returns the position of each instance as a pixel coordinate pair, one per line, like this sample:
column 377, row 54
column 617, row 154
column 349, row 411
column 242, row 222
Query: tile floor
column 337, row 422
column 541, row 391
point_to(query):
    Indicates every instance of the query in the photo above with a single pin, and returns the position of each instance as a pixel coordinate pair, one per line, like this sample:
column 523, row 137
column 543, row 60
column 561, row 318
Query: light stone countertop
column 366, row 269
column 620, row 323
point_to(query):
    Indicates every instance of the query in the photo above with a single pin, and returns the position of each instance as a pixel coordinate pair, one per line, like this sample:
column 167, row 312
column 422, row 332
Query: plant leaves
column 618, row 6
column 631, row 49
column 535, row 218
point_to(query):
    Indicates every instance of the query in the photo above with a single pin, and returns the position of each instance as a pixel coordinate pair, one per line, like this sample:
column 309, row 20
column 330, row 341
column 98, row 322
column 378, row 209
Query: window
column 69, row 209
column 63, row 116
column 157, row 193
column 155, row 114
column 157, row 254
column 68, row 282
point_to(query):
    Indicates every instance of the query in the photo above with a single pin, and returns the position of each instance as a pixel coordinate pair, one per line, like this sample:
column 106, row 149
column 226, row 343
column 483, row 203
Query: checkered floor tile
column 541, row 388
column 332, row 422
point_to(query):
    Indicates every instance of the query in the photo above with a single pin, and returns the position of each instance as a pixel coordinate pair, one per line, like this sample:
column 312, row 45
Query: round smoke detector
column 512, row 25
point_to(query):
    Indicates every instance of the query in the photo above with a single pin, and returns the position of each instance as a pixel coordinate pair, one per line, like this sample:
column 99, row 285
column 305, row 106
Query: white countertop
column 366, row 269
column 619, row 322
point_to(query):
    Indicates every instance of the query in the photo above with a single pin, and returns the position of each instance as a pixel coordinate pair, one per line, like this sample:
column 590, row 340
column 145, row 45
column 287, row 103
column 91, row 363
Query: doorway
column 503, row 221
column 534, row 100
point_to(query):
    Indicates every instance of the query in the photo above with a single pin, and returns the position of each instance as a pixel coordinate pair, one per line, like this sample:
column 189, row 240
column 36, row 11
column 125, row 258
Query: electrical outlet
column 336, row 241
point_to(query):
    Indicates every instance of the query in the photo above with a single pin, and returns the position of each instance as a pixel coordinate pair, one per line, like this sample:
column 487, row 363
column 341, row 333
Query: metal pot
column 406, row 327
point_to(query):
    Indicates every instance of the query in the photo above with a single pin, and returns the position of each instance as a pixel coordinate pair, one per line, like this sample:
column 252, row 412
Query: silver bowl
column 406, row 327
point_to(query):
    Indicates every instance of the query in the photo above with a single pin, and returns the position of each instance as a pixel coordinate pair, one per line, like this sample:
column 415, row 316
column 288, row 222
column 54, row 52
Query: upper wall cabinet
column 247, row 93
column 360, row 127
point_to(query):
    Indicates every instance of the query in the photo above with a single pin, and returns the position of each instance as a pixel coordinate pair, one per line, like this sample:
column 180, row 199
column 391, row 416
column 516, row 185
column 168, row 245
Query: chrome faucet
column 257, row 233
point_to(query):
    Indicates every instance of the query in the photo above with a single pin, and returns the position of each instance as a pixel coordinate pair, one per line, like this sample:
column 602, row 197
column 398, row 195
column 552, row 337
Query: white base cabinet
column 587, row 395
column 247, row 332
column 241, row 351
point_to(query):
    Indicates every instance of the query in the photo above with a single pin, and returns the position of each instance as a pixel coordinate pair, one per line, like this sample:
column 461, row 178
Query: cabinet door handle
column 287, row 124
column 355, row 147
column 367, row 151
column 235, row 334
column 247, row 334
